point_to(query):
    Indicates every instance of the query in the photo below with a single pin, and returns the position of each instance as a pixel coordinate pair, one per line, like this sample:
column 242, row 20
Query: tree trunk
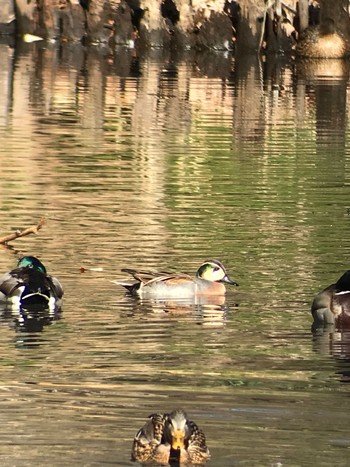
column 303, row 15
column 7, row 17
column 28, row 18
column 251, row 26
column 339, row 13
column 190, row 23
column 153, row 31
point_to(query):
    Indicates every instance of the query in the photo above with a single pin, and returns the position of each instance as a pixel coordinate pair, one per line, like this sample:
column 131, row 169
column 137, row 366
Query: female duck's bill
column 170, row 436
column 210, row 279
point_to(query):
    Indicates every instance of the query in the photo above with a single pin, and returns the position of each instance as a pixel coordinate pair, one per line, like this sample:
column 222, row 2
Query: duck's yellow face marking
column 214, row 271
column 178, row 439
column 211, row 272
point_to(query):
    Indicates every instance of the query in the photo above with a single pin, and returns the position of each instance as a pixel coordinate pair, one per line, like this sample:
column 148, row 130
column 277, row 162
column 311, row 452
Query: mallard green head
column 31, row 262
column 214, row 271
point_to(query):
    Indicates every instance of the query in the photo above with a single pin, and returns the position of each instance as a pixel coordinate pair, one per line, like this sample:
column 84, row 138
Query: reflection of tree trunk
column 6, row 83
column 330, row 132
column 329, row 79
column 248, row 112
column 331, row 114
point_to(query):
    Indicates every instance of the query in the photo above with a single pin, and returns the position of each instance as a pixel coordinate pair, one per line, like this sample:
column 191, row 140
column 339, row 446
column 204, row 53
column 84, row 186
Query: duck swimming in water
column 332, row 305
column 30, row 285
column 209, row 280
column 166, row 437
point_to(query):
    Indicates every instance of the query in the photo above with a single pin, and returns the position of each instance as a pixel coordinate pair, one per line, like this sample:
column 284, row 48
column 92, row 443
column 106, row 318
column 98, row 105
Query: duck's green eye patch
column 203, row 268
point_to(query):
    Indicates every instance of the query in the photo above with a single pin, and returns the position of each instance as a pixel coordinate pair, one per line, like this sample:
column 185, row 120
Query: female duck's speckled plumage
column 210, row 279
column 332, row 305
column 30, row 285
column 322, row 41
column 170, row 436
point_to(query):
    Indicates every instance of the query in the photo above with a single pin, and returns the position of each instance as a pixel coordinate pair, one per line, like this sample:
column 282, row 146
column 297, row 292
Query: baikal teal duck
column 210, row 280
column 30, row 285
column 322, row 41
column 169, row 438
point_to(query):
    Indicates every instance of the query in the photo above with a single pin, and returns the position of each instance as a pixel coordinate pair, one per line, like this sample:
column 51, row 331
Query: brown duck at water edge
column 322, row 41
column 332, row 305
column 170, row 438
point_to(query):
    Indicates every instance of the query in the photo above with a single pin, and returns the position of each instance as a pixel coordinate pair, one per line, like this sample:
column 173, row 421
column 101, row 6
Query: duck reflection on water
column 334, row 342
column 29, row 323
column 211, row 311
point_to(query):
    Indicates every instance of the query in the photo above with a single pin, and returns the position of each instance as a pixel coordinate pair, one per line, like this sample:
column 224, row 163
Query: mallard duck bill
column 178, row 441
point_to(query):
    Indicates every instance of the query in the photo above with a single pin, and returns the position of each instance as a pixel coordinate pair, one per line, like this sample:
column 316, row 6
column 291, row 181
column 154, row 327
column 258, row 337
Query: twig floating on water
column 21, row 233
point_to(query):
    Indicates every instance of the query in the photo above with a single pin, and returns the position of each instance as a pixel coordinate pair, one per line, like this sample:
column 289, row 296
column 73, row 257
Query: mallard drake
column 332, row 305
column 322, row 41
column 30, row 285
column 210, row 279
column 166, row 437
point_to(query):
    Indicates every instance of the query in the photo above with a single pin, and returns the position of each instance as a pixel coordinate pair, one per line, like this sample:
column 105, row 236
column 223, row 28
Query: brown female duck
column 166, row 437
